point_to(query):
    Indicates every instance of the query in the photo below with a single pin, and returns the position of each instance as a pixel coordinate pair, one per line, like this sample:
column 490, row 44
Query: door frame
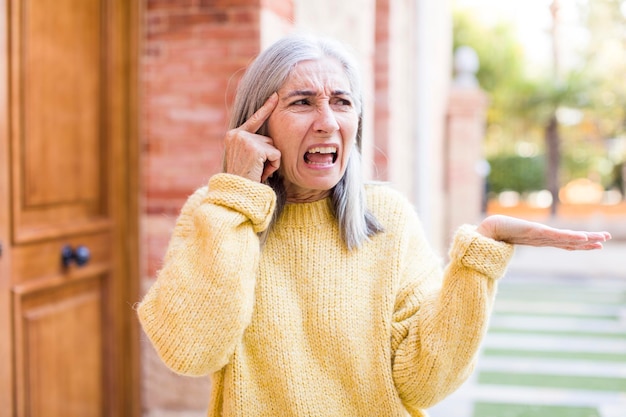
column 123, row 188
column 6, row 327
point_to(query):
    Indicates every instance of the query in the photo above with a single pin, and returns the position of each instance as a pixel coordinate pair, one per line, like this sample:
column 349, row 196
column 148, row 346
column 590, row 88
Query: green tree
column 531, row 112
column 605, row 59
column 541, row 102
column 501, row 66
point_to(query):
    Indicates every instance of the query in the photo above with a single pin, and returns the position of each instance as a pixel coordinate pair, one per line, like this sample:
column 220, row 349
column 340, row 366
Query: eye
column 342, row 102
column 301, row 102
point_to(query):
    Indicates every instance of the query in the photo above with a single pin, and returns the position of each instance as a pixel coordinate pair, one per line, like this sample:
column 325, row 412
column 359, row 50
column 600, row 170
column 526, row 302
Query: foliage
column 589, row 100
column 604, row 58
column 501, row 65
column 501, row 75
column 501, row 56
column 516, row 173
column 510, row 172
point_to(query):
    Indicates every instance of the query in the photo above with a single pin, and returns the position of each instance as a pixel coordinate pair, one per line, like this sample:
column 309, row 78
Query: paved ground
column 557, row 340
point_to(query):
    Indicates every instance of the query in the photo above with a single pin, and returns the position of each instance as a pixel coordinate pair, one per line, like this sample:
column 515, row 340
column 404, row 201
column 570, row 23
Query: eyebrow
column 309, row 93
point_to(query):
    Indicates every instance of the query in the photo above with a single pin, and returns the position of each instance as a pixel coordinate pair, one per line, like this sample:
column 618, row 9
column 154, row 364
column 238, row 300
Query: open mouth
column 321, row 155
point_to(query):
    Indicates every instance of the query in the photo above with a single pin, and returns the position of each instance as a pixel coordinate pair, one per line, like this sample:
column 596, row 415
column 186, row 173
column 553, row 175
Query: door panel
column 59, row 121
column 59, row 367
column 61, row 68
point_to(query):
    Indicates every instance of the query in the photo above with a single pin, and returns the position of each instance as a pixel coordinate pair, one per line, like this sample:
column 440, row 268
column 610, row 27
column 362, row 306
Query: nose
column 325, row 122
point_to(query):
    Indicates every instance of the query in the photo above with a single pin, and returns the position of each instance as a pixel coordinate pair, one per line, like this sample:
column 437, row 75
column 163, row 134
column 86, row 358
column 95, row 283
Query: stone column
column 465, row 167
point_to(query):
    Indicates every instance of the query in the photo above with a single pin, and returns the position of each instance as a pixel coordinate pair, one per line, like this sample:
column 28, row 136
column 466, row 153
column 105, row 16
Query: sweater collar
column 317, row 212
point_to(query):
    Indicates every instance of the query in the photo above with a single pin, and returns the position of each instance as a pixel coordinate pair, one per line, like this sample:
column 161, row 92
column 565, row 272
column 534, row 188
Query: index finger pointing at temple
column 255, row 121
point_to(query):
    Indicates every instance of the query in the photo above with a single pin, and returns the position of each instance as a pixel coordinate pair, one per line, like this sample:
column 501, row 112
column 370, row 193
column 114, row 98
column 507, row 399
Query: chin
column 324, row 185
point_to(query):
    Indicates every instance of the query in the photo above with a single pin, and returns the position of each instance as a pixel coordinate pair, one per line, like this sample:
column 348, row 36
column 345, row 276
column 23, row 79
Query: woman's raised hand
column 248, row 154
column 523, row 232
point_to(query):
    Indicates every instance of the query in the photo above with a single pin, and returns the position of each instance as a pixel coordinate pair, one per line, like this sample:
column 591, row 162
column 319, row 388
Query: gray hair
column 265, row 76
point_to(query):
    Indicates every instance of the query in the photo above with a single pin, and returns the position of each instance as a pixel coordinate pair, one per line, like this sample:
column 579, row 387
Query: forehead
column 318, row 74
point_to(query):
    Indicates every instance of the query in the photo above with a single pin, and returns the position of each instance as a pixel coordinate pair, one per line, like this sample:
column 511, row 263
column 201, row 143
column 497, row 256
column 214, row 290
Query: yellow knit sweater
column 304, row 327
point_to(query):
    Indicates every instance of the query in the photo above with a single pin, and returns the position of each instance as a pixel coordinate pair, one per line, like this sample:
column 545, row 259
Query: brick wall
column 381, row 91
column 193, row 54
column 191, row 50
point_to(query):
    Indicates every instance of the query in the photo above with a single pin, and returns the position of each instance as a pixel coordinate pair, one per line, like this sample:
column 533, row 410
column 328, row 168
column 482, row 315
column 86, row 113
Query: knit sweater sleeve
column 440, row 316
column 198, row 308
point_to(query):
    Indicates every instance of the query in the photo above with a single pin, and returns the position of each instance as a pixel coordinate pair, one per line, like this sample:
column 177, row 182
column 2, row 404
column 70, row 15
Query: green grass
column 526, row 410
column 554, row 381
column 602, row 357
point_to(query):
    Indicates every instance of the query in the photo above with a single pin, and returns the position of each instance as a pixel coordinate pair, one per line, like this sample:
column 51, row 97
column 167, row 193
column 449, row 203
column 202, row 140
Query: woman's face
column 314, row 126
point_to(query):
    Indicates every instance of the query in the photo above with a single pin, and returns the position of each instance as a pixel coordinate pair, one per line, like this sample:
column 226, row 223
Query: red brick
column 247, row 15
column 168, row 4
column 381, row 90
column 228, row 3
column 189, row 18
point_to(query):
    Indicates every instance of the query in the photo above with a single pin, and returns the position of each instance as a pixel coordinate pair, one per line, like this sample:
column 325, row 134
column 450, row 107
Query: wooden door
column 68, row 195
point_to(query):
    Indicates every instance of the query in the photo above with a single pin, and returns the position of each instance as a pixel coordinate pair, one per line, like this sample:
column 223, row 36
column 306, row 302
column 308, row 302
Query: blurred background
column 114, row 112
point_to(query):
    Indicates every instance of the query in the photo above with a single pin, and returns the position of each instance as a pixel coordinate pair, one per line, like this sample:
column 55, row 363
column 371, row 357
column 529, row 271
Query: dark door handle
column 80, row 256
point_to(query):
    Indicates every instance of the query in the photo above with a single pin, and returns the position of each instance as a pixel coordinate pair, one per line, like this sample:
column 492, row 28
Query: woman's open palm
column 523, row 232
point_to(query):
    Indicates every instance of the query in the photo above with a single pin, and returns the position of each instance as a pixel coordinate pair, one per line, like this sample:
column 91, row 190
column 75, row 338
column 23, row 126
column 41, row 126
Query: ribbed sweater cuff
column 254, row 200
column 487, row 256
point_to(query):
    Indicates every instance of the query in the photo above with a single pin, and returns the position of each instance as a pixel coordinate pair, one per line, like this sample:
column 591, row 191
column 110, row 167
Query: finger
column 272, row 163
column 586, row 247
column 599, row 236
column 588, row 237
column 594, row 241
column 254, row 123
column 577, row 237
column 596, row 236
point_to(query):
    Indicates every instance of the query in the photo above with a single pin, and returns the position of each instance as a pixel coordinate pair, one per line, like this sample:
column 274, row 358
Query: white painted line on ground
column 554, row 343
column 555, row 307
column 519, row 322
column 541, row 366
column 503, row 394
column 547, row 396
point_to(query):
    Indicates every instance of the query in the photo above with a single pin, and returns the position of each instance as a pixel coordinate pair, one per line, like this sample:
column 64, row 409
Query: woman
column 304, row 292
